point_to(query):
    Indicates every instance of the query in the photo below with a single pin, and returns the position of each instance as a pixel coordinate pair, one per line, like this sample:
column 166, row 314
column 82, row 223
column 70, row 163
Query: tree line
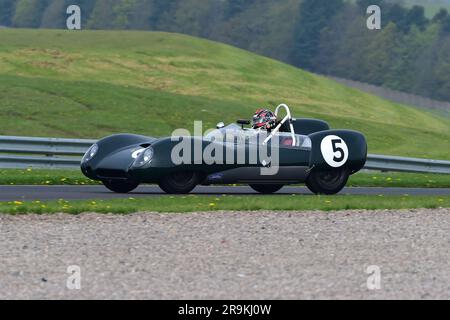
column 410, row 53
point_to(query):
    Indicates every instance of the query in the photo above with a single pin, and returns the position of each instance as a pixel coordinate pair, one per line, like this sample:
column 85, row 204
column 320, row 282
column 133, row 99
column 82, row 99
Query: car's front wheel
column 266, row 188
column 179, row 182
column 328, row 181
column 121, row 186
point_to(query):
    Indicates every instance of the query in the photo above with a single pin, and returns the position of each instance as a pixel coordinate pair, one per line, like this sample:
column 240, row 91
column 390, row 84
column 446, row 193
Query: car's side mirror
column 220, row 125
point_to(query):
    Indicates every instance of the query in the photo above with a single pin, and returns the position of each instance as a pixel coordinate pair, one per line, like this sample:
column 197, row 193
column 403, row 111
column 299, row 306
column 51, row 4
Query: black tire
column 327, row 182
column 266, row 188
column 121, row 186
column 179, row 182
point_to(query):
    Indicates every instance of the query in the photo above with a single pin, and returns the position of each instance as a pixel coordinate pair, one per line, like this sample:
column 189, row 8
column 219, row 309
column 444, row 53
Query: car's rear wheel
column 328, row 181
column 266, row 188
column 179, row 182
column 121, row 186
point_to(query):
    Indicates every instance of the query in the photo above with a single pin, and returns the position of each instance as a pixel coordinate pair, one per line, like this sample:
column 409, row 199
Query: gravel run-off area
column 227, row 255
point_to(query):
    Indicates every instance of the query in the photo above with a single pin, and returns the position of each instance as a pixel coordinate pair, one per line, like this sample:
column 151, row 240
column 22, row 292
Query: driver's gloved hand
column 271, row 124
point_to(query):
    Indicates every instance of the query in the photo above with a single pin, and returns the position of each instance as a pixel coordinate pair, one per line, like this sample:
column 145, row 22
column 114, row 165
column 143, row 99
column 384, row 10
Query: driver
column 264, row 119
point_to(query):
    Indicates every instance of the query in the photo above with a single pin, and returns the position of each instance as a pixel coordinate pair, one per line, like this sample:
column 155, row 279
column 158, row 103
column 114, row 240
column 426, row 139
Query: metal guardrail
column 26, row 152
column 401, row 164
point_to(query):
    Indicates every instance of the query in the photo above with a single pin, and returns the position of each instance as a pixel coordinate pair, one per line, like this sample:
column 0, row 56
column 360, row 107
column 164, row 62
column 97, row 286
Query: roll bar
column 288, row 117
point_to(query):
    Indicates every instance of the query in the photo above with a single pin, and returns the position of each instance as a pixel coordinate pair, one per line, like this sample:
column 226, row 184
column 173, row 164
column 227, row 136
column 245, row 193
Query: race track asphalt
column 11, row 193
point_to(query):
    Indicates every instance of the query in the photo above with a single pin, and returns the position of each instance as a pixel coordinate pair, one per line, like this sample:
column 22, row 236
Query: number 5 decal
column 334, row 151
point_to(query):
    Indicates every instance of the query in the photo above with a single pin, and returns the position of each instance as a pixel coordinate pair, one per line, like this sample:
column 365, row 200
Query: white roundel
column 334, row 151
column 137, row 153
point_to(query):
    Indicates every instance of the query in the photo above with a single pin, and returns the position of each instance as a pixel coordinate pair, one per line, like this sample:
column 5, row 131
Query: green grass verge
column 193, row 203
column 152, row 83
column 43, row 177
column 400, row 180
column 362, row 179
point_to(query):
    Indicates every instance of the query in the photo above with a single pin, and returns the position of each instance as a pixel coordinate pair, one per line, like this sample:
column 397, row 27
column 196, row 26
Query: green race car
column 290, row 151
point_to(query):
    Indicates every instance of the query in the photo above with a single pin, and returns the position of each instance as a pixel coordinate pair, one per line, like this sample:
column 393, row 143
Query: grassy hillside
column 93, row 83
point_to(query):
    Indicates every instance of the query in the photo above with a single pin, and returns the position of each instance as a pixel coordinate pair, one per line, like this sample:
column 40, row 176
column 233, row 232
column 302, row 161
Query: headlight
column 144, row 158
column 90, row 153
